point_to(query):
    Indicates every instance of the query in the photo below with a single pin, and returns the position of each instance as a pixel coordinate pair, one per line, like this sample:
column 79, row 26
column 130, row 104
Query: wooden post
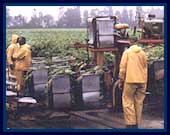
column 98, row 54
column 100, row 58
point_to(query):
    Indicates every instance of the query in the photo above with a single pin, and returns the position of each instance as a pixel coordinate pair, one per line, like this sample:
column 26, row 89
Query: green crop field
column 58, row 42
column 55, row 41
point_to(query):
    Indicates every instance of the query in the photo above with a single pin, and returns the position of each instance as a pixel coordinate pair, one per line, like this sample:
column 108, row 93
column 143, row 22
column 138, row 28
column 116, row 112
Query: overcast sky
column 54, row 10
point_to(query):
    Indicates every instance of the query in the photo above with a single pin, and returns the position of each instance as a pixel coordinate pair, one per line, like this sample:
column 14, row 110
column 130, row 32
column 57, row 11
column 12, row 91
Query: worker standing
column 23, row 62
column 133, row 75
column 12, row 48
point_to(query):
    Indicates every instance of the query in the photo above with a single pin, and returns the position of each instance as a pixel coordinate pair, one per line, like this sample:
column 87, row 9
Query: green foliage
column 154, row 53
column 109, row 57
column 98, row 70
column 138, row 32
column 55, row 41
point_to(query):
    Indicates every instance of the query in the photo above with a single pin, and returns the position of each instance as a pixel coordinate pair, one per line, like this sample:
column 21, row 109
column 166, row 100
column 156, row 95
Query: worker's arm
column 123, row 66
column 20, row 55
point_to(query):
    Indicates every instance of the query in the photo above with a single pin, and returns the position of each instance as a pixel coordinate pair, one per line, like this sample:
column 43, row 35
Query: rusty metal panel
column 40, row 76
column 90, row 83
column 61, row 84
column 158, row 65
column 153, row 41
column 61, row 101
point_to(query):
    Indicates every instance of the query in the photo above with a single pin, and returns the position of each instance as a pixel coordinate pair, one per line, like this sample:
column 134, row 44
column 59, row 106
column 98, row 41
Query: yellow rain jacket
column 12, row 48
column 23, row 58
column 23, row 63
column 133, row 71
column 133, row 65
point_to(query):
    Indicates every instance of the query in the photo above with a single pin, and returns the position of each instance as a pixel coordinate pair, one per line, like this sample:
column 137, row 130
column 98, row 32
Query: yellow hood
column 133, row 65
column 14, row 38
column 135, row 48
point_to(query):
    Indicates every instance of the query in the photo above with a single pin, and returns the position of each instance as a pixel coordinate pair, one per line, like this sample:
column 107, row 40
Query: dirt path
column 41, row 118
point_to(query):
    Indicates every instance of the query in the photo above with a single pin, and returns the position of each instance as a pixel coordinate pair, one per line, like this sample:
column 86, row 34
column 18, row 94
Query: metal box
column 61, row 101
column 101, row 32
column 40, row 79
column 60, row 92
column 61, row 84
column 90, row 97
column 91, row 90
column 40, row 91
column 90, row 83
column 154, row 27
column 40, row 76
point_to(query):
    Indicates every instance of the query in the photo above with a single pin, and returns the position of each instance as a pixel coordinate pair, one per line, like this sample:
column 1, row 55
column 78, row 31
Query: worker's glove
column 120, row 84
column 12, row 66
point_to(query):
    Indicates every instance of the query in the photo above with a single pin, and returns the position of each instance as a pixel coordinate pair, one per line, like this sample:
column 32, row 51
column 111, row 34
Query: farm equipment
column 105, row 35
column 104, row 32
column 152, row 29
column 121, row 30
column 105, row 39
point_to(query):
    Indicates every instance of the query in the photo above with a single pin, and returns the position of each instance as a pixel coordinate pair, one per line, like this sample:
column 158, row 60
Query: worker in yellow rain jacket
column 12, row 48
column 23, row 62
column 133, row 74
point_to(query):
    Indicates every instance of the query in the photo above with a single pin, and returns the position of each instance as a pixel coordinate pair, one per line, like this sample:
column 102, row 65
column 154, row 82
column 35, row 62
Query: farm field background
column 55, row 41
column 58, row 42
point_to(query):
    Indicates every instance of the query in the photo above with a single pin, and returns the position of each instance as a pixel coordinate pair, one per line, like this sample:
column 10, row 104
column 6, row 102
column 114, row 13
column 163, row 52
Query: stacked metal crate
column 90, row 90
column 40, row 80
column 60, row 92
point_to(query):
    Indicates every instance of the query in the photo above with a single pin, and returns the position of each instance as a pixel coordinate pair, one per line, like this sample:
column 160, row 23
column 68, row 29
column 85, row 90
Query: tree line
column 72, row 18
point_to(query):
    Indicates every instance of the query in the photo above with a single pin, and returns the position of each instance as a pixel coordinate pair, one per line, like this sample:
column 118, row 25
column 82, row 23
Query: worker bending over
column 23, row 62
column 133, row 74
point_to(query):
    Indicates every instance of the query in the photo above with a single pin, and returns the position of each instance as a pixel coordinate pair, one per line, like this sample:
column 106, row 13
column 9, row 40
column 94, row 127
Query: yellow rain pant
column 20, row 79
column 132, row 99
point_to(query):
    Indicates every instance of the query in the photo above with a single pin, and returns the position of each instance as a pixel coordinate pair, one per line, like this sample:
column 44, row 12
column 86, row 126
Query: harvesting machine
column 152, row 29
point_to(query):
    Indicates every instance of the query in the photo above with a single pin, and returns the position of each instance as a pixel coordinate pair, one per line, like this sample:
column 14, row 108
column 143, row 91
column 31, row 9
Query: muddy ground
column 38, row 117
